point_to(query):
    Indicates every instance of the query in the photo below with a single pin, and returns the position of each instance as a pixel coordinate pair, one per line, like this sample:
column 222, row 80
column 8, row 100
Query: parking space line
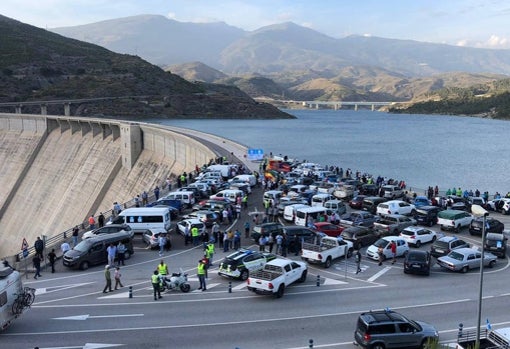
column 379, row 274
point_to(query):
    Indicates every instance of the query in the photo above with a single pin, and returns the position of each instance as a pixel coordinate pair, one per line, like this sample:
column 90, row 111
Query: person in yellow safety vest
column 155, row 278
column 162, row 268
column 244, row 201
column 195, row 235
column 201, row 274
column 209, row 253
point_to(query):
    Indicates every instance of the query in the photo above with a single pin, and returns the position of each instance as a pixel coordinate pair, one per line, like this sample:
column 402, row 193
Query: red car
column 329, row 229
column 356, row 202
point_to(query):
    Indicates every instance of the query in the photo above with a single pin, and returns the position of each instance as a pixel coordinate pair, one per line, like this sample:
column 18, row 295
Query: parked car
column 240, row 263
column 296, row 234
column 464, row 259
column 421, row 201
column 357, row 202
column 499, row 205
column 151, row 238
column 328, row 228
column 190, row 223
column 427, row 215
column 395, row 207
column 417, row 236
column 107, row 229
column 369, row 189
column 417, row 262
column 206, row 216
column 454, row 220
column 266, row 229
column 492, row 226
column 384, row 242
column 496, row 244
column 370, row 203
column 446, row 244
column 386, row 329
column 392, row 191
column 359, row 236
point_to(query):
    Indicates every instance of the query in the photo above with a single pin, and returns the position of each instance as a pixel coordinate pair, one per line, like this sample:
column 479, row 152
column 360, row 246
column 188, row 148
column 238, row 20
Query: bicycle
column 23, row 300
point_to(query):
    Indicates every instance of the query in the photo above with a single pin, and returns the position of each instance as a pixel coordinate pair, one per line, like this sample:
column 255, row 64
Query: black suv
column 297, row 234
column 493, row 226
column 386, row 329
column 265, row 229
column 370, row 203
column 359, row 236
column 496, row 244
column 427, row 215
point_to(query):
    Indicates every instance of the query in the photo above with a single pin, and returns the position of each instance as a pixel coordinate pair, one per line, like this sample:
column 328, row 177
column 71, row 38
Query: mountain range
column 290, row 61
column 36, row 64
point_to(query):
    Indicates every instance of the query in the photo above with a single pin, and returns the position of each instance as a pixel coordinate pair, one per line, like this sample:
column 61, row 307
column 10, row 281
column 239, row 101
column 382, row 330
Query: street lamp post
column 479, row 211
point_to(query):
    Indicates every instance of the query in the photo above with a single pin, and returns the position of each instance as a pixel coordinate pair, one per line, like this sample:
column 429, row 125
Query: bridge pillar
column 317, row 106
column 355, row 107
column 44, row 109
column 67, row 109
column 17, row 109
column 335, row 106
column 373, row 107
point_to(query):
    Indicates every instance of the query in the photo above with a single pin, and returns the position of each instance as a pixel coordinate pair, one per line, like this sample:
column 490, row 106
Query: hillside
column 36, row 64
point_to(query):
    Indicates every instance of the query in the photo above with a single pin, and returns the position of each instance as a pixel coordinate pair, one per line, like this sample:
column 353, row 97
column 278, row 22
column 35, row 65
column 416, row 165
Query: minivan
column 454, row 219
column 187, row 197
column 304, row 214
column 93, row 251
column 289, row 212
column 228, row 194
column 320, row 198
column 247, row 178
column 140, row 219
column 333, row 206
column 392, row 191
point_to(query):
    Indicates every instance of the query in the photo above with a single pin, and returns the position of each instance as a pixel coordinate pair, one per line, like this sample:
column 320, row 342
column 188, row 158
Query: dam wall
column 56, row 170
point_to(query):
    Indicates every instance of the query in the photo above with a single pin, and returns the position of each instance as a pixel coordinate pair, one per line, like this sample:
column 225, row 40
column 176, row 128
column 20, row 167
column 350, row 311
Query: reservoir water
column 423, row 150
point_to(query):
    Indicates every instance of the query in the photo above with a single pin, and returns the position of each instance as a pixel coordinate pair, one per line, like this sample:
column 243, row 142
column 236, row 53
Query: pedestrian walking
column 108, row 278
column 211, row 249
column 52, row 257
column 246, row 229
column 380, row 253
column 37, row 266
column 358, row 261
column 156, row 193
column 279, row 241
column 225, row 241
column 270, row 242
column 117, row 276
column 65, row 247
column 237, row 240
column 92, row 223
column 111, row 251
column 201, row 274
column 155, row 279
column 195, row 235
column 145, row 198
column 161, row 243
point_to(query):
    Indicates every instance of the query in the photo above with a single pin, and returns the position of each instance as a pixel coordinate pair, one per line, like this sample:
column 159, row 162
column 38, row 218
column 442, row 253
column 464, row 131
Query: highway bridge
column 336, row 105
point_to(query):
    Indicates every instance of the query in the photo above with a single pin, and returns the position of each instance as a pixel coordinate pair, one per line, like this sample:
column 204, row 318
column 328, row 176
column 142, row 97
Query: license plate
column 416, row 266
column 440, row 251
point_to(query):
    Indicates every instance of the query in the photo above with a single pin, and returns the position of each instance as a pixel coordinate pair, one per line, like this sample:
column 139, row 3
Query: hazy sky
column 477, row 23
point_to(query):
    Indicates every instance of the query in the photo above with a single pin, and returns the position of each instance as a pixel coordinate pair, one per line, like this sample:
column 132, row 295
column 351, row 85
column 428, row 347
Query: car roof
column 413, row 228
column 465, row 250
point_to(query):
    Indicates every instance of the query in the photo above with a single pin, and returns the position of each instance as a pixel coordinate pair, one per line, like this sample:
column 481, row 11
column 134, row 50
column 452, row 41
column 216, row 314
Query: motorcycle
column 175, row 281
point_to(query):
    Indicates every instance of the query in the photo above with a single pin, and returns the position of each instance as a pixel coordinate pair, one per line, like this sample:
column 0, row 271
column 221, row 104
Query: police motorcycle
column 175, row 281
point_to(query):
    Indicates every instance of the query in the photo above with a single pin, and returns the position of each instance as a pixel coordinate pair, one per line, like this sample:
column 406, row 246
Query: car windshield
column 381, row 243
column 456, row 256
column 82, row 246
column 441, row 244
column 407, row 232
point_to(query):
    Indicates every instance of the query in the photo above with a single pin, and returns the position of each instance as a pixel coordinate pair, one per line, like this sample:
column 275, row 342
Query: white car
column 395, row 207
column 499, row 205
column 190, row 223
column 416, row 236
column 384, row 242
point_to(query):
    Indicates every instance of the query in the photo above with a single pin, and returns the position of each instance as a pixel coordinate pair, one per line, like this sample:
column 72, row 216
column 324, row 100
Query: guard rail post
column 130, row 291
column 310, row 343
column 230, row 287
column 318, row 280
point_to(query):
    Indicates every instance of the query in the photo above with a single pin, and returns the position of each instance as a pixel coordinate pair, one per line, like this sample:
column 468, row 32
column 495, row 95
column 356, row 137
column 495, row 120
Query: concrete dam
column 58, row 170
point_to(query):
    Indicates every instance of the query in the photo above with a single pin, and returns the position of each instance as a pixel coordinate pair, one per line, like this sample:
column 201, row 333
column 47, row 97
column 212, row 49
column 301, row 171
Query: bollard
column 318, row 280
column 459, row 334
column 310, row 345
column 230, row 287
column 130, row 291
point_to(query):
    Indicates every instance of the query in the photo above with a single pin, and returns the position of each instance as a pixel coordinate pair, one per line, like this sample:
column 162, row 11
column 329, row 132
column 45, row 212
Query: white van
column 225, row 170
column 247, row 178
column 229, row 194
column 272, row 195
column 289, row 212
column 140, row 219
column 320, row 198
column 303, row 214
column 186, row 197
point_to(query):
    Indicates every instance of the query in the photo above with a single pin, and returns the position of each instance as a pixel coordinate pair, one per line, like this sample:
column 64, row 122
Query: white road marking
column 39, row 291
column 86, row 316
column 380, row 273
column 328, row 281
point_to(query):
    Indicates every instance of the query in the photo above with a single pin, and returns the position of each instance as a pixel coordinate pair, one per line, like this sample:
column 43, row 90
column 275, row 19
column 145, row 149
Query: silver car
column 463, row 259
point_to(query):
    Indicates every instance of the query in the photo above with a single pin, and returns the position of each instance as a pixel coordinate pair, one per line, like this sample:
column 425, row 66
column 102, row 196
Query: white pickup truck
column 325, row 249
column 276, row 276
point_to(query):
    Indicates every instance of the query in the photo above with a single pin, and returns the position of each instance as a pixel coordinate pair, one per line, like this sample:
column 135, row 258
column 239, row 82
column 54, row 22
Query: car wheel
column 281, row 291
column 465, row 269
column 303, row 276
column 378, row 346
column 457, row 229
column 84, row 265
column 418, row 243
column 244, row 275
column 327, row 264
column 492, row 264
column 434, row 239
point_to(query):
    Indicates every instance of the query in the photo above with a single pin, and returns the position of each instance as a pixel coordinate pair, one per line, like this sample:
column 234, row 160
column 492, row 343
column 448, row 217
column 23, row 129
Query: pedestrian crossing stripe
column 328, row 281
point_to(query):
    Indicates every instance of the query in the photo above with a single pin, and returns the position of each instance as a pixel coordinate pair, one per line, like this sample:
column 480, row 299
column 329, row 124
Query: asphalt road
column 70, row 310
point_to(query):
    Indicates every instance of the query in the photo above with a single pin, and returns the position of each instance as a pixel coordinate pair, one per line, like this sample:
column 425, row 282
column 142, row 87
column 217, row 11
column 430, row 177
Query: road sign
column 255, row 154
